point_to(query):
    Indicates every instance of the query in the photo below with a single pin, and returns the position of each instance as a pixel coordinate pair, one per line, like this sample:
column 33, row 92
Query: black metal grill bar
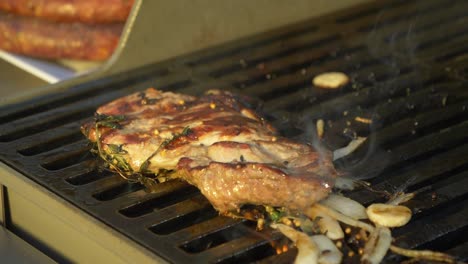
column 79, row 92
column 183, row 221
column 260, row 252
column 68, row 115
column 459, row 250
column 76, row 170
column 440, row 118
column 249, row 240
column 164, row 198
column 195, row 232
column 283, row 258
column 99, row 89
column 445, row 220
column 455, row 55
column 433, row 97
column 446, row 52
column 118, row 191
column 392, row 17
column 380, row 91
column 66, row 156
column 87, row 177
column 51, row 144
column 384, row 114
column 308, row 96
column 173, row 212
column 246, row 52
column 441, row 166
column 275, row 49
column 206, row 57
column 48, row 140
column 25, row 127
column 388, row 165
column 299, row 77
column 165, row 189
column 267, row 55
column 268, row 65
column 437, row 37
column 105, row 184
column 441, row 193
column 263, row 56
column 442, row 19
column 419, row 145
column 54, row 118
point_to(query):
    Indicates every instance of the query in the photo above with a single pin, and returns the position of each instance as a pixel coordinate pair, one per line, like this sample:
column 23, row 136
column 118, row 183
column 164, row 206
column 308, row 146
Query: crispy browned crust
column 230, row 185
column 44, row 39
column 86, row 11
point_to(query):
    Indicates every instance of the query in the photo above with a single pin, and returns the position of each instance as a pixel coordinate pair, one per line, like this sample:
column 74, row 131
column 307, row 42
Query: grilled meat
column 45, row 39
column 86, row 11
column 214, row 142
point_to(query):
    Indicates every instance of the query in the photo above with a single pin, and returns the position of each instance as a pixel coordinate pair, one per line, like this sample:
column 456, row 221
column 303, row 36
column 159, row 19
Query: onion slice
column 377, row 245
column 352, row 146
column 345, row 183
column 345, row 206
column 329, row 253
column 401, row 198
column 338, row 216
column 327, row 225
column 423, row 254
column 308, row 252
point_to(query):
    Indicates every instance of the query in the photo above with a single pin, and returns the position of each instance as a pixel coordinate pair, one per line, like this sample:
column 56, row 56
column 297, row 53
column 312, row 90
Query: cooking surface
column 408, row 68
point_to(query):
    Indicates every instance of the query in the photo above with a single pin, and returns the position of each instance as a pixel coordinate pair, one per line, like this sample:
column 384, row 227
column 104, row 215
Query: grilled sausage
column 86, row 11
column 50, row 40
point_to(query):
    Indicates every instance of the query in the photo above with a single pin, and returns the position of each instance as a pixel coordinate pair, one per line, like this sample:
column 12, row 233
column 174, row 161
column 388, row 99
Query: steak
column 216, row 143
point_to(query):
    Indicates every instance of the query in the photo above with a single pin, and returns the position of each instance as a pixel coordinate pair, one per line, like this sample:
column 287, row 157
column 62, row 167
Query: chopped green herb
column 116, row 149
column 112, row 121
column 275, row 214
column 109, row 118
column 144, row 166
column 114, row 155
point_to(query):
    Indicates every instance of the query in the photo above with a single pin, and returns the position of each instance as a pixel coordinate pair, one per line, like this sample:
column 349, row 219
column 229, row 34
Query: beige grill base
column 67, row 232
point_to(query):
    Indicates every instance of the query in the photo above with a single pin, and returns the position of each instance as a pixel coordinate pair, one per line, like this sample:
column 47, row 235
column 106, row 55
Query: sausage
column 86, row 11
column 50, row 40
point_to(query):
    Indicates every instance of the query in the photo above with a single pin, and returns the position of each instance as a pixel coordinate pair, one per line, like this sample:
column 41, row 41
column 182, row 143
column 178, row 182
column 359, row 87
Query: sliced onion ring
column 327, row 225
column 423, row 254
column 338, row 216
column 308, row 252
column 377, row 245
column 345, row 206
column 329, row 253
column 352, row 146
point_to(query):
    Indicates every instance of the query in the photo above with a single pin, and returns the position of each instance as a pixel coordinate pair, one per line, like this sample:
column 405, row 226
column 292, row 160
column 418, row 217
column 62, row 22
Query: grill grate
column 408, row 66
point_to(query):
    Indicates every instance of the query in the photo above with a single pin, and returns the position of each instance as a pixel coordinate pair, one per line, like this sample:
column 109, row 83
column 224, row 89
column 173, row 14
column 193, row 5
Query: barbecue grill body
column 407, row 64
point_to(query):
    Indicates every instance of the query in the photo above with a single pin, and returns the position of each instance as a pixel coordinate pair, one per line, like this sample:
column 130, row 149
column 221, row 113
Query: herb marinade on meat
column 214, row 142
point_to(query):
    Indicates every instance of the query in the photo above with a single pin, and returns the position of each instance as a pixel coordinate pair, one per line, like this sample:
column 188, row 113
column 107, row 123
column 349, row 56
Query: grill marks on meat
column 49, row 40
column 87, row 11
column 231, row 154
